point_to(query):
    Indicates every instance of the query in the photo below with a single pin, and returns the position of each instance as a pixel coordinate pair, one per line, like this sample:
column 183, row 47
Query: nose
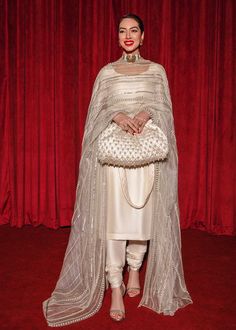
column 128, row 34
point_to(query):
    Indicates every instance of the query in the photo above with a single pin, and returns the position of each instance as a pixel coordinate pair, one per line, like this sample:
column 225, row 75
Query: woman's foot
column 117, row 311
column 133, row 286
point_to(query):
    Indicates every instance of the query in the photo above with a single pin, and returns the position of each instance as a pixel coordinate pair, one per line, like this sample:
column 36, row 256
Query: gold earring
column 141, row 43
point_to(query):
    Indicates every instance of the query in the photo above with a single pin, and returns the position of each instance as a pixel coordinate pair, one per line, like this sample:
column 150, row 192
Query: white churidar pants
column 126, row 223
column 117, row 252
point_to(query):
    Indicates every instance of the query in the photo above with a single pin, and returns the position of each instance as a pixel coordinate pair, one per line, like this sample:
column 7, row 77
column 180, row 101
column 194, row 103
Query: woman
column 128, row 92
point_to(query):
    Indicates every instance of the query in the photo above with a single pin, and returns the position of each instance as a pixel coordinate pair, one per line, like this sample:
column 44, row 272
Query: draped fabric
column 51, row 51
column 80, row 287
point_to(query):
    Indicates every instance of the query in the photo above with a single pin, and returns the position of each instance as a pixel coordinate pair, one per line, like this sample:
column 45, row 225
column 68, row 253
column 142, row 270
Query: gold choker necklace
column 131, row 58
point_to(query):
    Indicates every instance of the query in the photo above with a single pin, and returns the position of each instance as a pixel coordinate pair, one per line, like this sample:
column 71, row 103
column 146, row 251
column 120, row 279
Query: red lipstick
column 129, row 43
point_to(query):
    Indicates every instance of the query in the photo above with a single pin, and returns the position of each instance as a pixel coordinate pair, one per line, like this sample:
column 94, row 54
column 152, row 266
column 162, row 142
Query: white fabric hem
column 128, row 237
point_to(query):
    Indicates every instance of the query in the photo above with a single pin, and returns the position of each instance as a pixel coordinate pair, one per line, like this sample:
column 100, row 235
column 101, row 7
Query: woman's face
column 130, row 35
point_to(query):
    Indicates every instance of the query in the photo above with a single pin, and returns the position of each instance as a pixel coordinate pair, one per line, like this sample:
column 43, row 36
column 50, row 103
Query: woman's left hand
column 141, row 119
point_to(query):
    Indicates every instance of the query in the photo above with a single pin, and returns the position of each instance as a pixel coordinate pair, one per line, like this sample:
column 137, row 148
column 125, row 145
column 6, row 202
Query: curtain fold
column 51, row 51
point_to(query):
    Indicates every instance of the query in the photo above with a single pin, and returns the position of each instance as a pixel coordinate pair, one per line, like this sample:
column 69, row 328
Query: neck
column 131, row 57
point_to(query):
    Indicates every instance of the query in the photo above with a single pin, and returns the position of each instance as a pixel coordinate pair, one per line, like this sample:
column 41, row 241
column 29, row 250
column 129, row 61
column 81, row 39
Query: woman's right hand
column 126, row 123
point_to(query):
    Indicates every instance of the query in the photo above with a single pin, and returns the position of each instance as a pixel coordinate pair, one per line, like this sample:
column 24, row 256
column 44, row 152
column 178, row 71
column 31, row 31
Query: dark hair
column 136, row 18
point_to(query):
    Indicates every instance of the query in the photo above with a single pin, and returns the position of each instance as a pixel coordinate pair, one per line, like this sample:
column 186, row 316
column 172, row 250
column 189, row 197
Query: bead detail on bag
column 119, row 148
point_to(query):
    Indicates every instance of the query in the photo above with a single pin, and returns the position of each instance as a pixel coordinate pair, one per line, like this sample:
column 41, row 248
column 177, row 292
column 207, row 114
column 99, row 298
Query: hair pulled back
column 136, row 18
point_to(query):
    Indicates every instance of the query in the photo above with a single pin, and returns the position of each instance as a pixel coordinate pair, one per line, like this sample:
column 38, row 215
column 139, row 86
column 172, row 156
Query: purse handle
column 125, row 189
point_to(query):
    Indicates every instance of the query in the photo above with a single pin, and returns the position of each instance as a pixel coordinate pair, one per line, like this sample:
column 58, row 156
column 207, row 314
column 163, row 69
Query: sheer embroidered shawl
column 126, row 87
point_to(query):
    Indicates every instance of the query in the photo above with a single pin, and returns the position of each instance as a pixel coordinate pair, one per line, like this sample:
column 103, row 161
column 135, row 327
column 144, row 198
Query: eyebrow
column 129, row 28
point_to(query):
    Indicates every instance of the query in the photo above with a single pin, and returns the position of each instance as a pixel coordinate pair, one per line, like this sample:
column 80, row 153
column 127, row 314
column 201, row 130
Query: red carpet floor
column 31, row 260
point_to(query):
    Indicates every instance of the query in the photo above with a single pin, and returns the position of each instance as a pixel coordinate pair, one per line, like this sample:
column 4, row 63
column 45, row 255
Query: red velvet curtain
column 51, row 51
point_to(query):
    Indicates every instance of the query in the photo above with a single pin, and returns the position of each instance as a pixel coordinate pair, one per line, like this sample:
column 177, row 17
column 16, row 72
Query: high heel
column 133, row 291
column 117, row 314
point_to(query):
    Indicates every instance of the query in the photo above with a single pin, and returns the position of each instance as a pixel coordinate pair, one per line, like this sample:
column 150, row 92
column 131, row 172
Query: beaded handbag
column 119, row 148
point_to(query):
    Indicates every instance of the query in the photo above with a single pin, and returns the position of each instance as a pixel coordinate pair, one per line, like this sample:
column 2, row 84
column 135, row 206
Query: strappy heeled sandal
column 117, row 314
column 133, row 291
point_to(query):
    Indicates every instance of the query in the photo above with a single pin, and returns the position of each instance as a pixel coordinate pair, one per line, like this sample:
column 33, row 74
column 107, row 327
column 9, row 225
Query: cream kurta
column 123, row 220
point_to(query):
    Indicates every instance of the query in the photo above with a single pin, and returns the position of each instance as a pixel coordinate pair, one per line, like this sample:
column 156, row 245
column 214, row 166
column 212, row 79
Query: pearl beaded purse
column 119, row 148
